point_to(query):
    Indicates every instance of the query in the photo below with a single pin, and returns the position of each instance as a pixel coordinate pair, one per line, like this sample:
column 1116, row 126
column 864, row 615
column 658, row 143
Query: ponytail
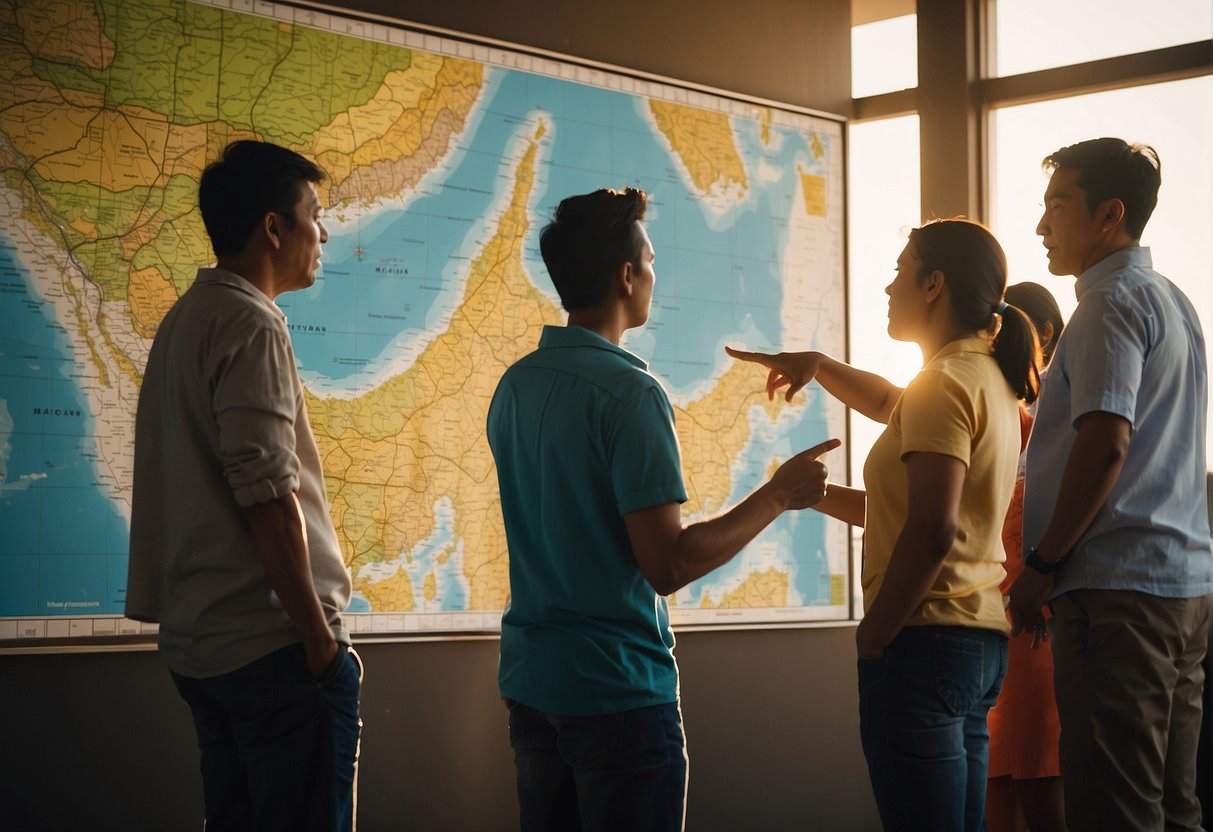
column 975, row 268
column 1017, row 351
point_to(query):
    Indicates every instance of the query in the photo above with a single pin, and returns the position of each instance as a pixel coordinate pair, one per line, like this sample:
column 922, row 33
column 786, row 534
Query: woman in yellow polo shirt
column 933, row 642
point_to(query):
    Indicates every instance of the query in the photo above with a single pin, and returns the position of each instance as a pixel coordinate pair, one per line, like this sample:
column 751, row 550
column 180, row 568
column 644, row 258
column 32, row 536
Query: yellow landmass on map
column 151, row 296
column 703, row 140
column 392, row 454
column 65, row 30
column 817, row 147
column 387, row 144
column 760, row 589
column 764, row 125
column 712, row 431
column 394, row 593
column 814, row 189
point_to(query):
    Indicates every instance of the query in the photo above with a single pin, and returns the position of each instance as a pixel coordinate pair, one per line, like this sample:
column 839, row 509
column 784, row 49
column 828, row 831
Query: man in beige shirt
column 233, row 551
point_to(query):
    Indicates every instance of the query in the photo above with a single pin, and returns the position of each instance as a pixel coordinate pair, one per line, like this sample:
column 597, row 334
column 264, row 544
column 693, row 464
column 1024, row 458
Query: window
column 884, row 56
column 883, row 207
column 1176, row 118
column 1040, row 34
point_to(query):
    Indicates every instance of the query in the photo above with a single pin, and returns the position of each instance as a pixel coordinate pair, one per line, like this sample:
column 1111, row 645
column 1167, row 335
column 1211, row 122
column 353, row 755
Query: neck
column 1101, row 252
column 933, row 343
column 608, row 323
column 254, row 269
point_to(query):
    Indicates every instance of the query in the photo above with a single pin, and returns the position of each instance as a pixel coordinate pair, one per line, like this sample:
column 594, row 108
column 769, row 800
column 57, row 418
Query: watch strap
column 1035, row 561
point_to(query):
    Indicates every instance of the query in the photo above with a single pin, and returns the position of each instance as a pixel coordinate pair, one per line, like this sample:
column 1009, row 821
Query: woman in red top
column 1024, row 787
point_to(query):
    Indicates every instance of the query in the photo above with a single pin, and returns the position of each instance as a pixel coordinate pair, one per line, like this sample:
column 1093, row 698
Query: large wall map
column 444, row 158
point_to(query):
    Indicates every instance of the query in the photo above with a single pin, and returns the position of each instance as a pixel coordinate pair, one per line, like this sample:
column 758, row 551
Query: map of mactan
column 110, row 110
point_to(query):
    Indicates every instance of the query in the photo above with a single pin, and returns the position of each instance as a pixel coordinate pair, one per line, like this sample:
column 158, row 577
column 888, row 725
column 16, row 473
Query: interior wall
column 793, row 52
column 101, row 741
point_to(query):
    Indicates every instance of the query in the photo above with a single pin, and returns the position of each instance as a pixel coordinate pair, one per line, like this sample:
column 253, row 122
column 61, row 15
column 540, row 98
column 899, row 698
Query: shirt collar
column 223, row 277
column 1129, row 257
column 979, row 343
column 563, row 337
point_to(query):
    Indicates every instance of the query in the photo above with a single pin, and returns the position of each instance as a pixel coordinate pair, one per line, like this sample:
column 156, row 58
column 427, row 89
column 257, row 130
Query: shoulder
column 956, row 374
column 229, row 308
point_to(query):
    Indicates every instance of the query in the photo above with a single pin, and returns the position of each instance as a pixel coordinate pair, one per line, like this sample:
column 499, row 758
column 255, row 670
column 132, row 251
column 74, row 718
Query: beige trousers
column 1128, row 675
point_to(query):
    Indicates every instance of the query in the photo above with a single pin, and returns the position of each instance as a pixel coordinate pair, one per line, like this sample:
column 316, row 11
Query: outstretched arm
column 671, row 557
column 868, row 393
column 844, row 503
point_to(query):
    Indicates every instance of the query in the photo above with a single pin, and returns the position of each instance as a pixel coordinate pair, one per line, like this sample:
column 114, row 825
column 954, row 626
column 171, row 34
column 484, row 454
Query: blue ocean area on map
column 712, row 283
column 64, row 542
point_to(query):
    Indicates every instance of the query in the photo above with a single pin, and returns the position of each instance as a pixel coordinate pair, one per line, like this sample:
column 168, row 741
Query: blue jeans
column 611, row 772
column 922, row 721
column 279, row 747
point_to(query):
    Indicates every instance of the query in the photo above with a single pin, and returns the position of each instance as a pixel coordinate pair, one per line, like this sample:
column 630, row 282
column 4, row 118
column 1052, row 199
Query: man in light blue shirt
column 591, row 486
column 1115, row 514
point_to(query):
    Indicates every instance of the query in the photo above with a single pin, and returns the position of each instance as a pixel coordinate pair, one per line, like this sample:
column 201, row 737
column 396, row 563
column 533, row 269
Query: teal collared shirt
column 582, row 434
column 1134, row 347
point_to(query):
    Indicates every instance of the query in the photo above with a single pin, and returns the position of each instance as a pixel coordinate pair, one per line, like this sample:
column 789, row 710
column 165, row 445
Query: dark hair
column 1113, row 168
column 250, row 180
column 1038, row 304
column 589, row 238
column 975, row 271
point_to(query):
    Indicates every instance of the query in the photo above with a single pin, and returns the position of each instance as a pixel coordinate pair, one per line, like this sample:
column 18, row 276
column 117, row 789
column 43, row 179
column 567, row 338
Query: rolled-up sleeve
column 257, row 399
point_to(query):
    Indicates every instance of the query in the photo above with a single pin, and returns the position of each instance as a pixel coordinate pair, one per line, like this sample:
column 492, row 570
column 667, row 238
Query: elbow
column 665, row 582
column 1117, row 451
column 935, row 539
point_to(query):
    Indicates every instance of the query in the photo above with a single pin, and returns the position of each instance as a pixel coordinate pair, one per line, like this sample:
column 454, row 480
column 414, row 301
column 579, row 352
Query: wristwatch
column 1043, row 566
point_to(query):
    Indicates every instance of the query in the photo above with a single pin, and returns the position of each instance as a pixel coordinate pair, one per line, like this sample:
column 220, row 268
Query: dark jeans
column 620, row 771
column 922, row 720
column 279, row 747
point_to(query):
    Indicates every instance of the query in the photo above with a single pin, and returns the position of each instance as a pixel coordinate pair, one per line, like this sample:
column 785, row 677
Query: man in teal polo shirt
column 591, row 482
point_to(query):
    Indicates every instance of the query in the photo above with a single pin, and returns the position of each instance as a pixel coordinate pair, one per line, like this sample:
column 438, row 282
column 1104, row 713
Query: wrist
column 1043, row 565
column 776, row 496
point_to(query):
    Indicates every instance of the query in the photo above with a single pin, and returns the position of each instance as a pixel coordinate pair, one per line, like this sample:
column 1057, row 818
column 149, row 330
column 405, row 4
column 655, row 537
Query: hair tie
column 1002, row 307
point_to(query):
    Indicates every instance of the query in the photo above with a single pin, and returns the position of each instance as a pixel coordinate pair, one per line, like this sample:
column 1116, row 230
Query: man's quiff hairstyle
column 587, row 241
column 250, row 180
column 1113, row 168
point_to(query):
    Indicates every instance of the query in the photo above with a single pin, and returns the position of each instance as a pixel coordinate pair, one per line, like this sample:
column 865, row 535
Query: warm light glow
column 883, row 184
column 1176, row 118
column 884, row 56
column 1039, row 34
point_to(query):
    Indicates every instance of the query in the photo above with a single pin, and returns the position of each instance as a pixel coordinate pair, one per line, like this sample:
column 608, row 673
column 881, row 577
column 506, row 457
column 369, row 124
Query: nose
column 1041, row 226
column 888, row 290
column 324, row 233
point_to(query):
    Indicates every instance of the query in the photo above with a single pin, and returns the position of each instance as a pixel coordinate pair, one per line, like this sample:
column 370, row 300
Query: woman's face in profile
column 907, row 297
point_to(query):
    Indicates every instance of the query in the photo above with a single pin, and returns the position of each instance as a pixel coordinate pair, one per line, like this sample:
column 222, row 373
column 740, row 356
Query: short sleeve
column 937, row 416
column 255, row 403
column 644, row 458
column 1105, row 353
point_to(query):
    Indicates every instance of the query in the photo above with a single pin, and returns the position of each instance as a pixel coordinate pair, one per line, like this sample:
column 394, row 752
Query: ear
column 1111, row 213
column 624, row 279
column 271, row 227
column 1047, row 335
column 934, row 283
